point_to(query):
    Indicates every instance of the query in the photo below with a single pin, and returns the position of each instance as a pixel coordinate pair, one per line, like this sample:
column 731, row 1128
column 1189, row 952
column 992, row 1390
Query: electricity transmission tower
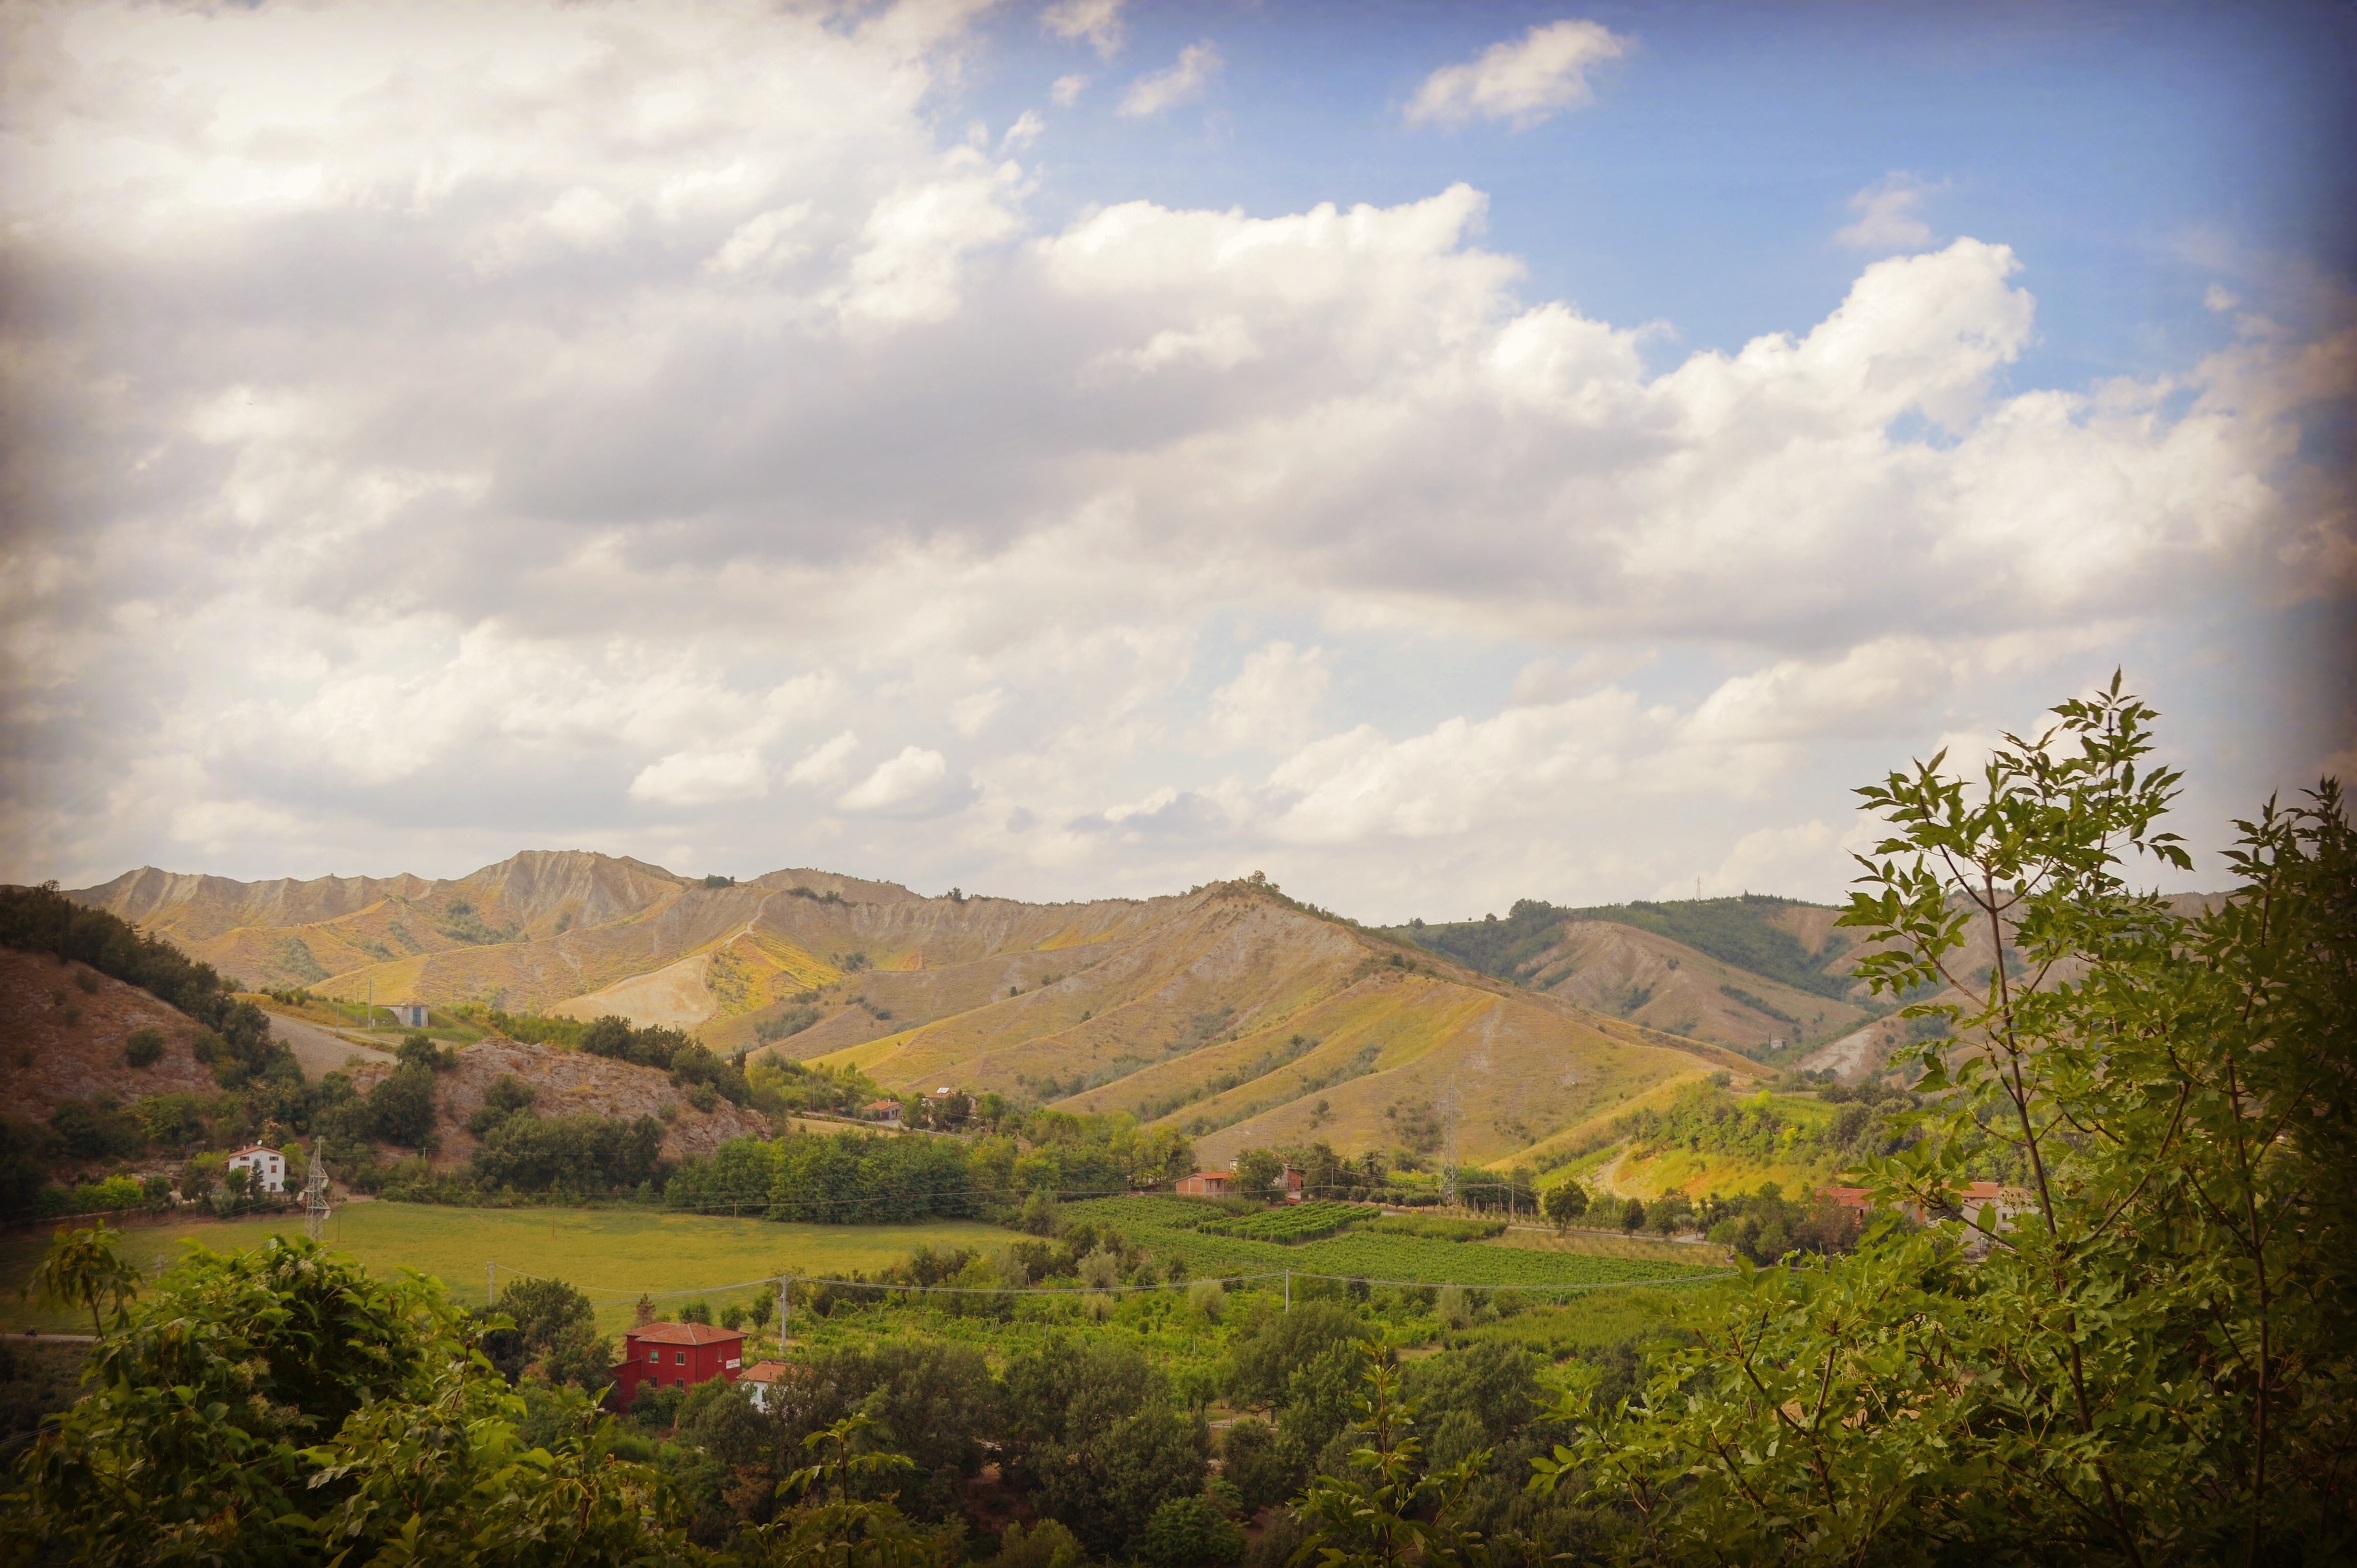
column 316, row 1207
column 1449, row 1143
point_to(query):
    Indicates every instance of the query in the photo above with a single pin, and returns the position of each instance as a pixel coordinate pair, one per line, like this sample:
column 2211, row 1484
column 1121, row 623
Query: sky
column 1434, row 455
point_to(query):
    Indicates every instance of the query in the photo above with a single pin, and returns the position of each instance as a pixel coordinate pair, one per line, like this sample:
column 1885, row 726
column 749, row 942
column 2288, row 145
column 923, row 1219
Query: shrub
column 142, row 1048
column 1187, row 1533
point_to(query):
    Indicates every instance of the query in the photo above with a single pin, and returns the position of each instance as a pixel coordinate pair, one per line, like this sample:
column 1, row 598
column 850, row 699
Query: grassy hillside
column 1232, row 1012
column 1762, row 974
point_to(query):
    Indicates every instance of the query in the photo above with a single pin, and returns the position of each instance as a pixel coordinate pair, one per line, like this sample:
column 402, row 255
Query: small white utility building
column 268, row 1166
column 409, row 1014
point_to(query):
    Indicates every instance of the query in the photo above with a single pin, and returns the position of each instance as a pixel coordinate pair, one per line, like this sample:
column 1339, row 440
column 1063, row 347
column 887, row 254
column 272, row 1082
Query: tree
column 281, row 1406
column 1258, row 1173
column 1563, row 1203
column 546, row 1316
column 2153, row 1357
column 83, row 1267
column 1387, row 1510
column 1633, row 1216
column 841, row 1530
column 1189, row 1532
column 401, row 1107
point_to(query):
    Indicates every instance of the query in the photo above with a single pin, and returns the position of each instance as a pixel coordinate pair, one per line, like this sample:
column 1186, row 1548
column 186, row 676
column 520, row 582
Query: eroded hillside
column 1231, row 1012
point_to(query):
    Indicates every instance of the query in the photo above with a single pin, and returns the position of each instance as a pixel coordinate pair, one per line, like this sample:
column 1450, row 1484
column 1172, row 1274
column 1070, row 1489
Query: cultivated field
column 613, row 1254
column 1164, row 1226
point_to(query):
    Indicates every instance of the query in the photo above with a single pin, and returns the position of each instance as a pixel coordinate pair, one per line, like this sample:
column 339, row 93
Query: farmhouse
column 887, row 1111
column 268, row 1166
column 675, row 1355
column 1223, row 1184
column 760, row 1379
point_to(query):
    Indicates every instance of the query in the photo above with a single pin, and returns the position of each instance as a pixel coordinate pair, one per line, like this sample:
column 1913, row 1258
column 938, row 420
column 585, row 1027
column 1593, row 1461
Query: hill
column 1231, row 1012
column 1766, row 976
column 63, row 1030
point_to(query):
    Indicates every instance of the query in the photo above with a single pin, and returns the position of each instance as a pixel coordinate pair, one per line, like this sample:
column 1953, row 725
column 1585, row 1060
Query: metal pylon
column 316, row 1207
column 1448, row 1141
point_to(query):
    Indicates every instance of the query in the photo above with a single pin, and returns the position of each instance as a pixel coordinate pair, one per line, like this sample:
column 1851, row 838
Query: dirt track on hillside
column 320, row 1051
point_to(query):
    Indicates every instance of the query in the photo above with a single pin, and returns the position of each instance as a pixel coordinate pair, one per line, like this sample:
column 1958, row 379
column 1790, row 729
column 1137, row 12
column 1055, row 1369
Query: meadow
column 613, row 1254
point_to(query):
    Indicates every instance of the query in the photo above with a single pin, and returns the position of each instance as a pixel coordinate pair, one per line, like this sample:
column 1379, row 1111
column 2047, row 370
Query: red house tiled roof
column 682, row 1334
column 762, row 1372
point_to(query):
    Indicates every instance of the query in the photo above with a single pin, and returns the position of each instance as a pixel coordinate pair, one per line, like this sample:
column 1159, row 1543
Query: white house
column 759, row 1380
column 409, row 1014
column 268, row 1166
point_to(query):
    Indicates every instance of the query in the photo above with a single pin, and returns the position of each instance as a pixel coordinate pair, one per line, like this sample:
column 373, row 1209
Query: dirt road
column 320, row 1051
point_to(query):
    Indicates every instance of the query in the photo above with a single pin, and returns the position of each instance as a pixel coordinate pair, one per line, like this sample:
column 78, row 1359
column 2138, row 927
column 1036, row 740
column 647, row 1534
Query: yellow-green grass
column 615, row 1255
column 1590, row 1323
column 1699, row 1174
column 1610, row 1244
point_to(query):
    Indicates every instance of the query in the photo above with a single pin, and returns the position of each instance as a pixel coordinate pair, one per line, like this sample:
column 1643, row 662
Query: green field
column 612, row 1254
column 1162, row 1226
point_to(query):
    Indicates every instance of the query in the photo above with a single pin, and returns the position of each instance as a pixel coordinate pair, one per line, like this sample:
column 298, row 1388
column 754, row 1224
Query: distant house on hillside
column 410, row 1014
column 1851, row 1198
column 887, row 1111
column 268, row 1166
column 675, row 1355
column 1223, row 1184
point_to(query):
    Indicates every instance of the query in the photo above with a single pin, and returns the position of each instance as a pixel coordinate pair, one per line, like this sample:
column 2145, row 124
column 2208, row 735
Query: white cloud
column 702, row 778
column 1181, row 82
column 1527, row 81
column 916, row 240
column 1067, row 90
column 1218, row 345
column 1544, row 681
column 1025, row 130
column 1889, row 216
column 970, row 714
column 823, row 764
column 916, row 783
column 1099, row 21
column 799, row 419
column 762, row 240
column 1273, row 702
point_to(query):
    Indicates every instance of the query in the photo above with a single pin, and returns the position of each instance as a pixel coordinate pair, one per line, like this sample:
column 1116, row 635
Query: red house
column 675, row 1355
column 1223, row 1184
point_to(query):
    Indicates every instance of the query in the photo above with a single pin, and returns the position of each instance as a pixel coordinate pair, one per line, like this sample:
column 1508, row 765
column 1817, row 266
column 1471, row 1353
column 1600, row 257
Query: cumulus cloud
column 1889, row 216
column 1067, row 90
column 825, row 763
column 1273, row 702
column 581, row 420
column 916, row 783
column 1546, row 680
column 1181, row 82
column 1527, row 81
column 702, row 778
column 1098, row 21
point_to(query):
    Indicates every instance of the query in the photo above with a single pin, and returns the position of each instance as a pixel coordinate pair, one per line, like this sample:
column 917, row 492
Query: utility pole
column 1288, row 1290
column 785, row 1288
column 490, row 1284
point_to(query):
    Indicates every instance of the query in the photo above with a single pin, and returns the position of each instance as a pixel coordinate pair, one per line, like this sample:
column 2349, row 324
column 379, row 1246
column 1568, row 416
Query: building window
column 679, row 1358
